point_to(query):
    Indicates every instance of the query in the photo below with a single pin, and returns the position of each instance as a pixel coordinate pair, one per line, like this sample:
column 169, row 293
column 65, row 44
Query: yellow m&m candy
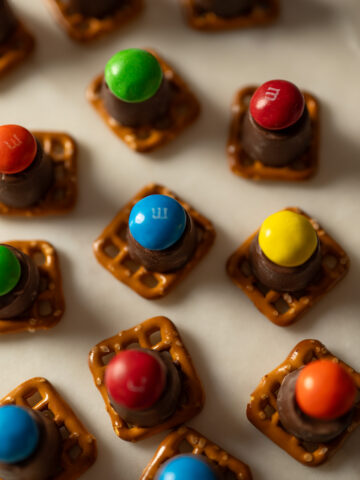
column 287, row 239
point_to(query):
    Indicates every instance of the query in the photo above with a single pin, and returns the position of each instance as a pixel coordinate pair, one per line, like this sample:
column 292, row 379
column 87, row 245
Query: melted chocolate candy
column 170, row 259
column 45, row 461
column 302, row 426
column 283, row 279
column 225, row 8
column 7, row 21
column 138, row 113
column 23, row 295
column 26, row 188
column 276, row 147
column 164, row 407
column 95, row 8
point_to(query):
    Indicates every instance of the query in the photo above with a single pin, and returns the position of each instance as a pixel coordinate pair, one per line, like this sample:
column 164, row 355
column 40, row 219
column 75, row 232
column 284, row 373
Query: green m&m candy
column 133, row 75
column 10, row 270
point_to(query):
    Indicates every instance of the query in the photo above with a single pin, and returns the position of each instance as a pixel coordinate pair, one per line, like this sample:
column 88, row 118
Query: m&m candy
column 135, row 379
column 10, row 270
column 287, row 238
column 133, row 75
column 19, row 434
column 157, row 222
column 324, row 390
column 18, row 149
column 277, row 104
column 187, row 467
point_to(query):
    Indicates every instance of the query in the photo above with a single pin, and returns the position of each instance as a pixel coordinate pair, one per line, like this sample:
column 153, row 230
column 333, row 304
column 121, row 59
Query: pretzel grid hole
column 34, row 399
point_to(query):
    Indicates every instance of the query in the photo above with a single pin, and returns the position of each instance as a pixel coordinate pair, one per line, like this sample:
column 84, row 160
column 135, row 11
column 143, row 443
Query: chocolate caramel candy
column 19, row 282
column 26, row 171
column 285, row 256
column 144, row 386
column 30, row 444
column 277, row 126
column 161, row 234
column 95, row 8
column 7, row 21
column 227, row 8
column 301, row 425
column 135, row 91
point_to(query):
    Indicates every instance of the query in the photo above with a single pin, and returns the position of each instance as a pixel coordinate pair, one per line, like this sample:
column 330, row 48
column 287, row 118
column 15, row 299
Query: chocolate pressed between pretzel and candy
column 142, row 100
column 206, row 462
column 274, row 132
column 286, row 266
column 87, row 20
column 316, row 402
column 172, row 393
column 16, row 43
column 213, row 15
column 40, row 437
column 154, row 242
column 38, row 172
column 31, row 296
column 308, row 404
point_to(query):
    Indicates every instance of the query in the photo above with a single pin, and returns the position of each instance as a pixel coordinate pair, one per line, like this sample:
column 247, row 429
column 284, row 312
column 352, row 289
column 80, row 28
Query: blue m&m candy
column 186, row 467
column 19, row 434
column 157, row 222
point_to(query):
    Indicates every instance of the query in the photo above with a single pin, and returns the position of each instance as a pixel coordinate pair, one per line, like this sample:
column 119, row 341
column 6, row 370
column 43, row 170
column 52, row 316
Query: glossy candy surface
column 157, row 222
column 324, row 390
column 19, row 434
column 186, row 467
column 287, row 238
column 277, row 104
column 135, row 379
column 17, row 149
column 133, row 75
column 10, row 270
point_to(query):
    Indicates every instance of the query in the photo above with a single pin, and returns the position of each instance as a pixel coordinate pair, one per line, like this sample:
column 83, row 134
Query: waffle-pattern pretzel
column 84, row 29
column 285, row 308
column 265, row 12
column 200, row 445
column 62, row 195
column 262, row 409
column 183, row 111
column 78, row 451
column 242, row 164
column 49, row 305
column 111, row 250
column 193, row 397
column 15, row 49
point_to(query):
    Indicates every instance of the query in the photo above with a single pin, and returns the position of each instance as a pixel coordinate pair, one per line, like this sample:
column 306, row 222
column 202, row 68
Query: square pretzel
column 49, row 305
column 263, row 414
column 242, row 164
column 285, row 308
column 192, row 398
column 15, row 49
column 199, row 445
column 62, row 195
column 84, row 29
column 78, row 449
column 111, row 250
column 265, row 12
column 183, row 111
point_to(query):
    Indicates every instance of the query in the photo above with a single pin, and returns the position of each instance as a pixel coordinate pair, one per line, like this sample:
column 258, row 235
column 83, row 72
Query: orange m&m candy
column 18, row 149
column 324, row 390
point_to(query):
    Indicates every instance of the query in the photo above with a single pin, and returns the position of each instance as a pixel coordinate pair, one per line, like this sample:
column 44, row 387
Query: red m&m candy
column 17, row 149
column 324, row 390
column 135, row 379
column 277, row 104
